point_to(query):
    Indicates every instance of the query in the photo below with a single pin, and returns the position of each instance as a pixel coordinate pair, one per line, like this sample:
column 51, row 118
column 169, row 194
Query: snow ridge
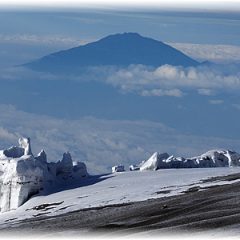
column 212, row 158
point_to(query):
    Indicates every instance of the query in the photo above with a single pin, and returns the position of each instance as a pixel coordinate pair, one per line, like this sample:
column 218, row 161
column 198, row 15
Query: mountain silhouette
column 118, row 50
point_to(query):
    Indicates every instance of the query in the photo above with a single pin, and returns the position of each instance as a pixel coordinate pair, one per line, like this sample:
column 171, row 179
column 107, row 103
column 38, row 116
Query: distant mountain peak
column 126, row 34
column 121, row 49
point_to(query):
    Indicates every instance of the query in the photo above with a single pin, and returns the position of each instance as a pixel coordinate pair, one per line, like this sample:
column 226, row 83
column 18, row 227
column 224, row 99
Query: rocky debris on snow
column 118, row 168
column 134, row 167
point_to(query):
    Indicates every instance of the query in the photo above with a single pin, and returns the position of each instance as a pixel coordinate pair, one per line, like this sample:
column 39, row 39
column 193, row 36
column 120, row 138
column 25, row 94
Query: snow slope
column 114, row 189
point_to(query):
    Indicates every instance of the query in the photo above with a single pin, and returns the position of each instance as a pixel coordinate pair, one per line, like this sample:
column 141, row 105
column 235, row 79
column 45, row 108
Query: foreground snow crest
column 23, row 175
column 212, row 158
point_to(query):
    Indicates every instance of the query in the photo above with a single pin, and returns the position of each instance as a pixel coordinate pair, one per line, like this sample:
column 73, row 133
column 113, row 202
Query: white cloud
column 161, row 92
column 210, row 52
column 101, row 143
column 6, row 135
column 216, row 101
column 206, row 92
column 236, row 106
column 206, row 79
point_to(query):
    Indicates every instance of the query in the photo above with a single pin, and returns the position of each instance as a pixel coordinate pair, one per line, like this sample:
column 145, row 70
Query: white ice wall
column 22, row 174
column 212, row 158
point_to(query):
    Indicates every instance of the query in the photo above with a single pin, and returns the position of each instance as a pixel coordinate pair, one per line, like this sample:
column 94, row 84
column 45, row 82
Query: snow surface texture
column 213, row 158
column 23, row 175
column 117, row 188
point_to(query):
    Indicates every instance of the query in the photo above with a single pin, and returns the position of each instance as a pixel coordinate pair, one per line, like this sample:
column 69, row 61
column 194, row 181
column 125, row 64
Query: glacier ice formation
column 212, row 158
column 23, row 175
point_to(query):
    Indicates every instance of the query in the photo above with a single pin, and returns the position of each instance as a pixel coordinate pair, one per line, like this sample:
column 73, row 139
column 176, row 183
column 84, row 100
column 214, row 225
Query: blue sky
column 129, row 119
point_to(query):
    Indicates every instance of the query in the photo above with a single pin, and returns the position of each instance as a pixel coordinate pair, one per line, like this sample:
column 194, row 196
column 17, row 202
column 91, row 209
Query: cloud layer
column 101, row 143
column 34, row 39
column 165, row 80
column 210, row 52
column 173, row 80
